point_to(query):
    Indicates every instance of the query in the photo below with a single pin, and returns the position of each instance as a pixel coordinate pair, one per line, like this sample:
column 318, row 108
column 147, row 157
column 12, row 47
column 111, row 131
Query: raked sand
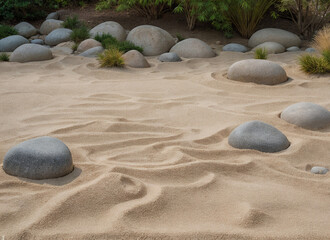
column 151, row 153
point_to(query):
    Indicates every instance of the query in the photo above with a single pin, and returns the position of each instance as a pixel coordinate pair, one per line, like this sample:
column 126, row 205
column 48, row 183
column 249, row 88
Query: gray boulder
column 258, row 136
column 53, row 15
column 110, row 27
column 58, row 36
column 30, row 53
column 50, row 25
column 285, row 38
column 25, row 29
column 169, row 57
column 310, row 50
column 39, row 158
column 153, row 40
column 319, row 170
column 257, row 71
column 293, row 49
column 135, row 59
column 37, row 41
column 9, row 44
column 235, row 47
column 271, row 47
column 87, row 44
column 307, row 115
column 92, row 52
column 193, row 48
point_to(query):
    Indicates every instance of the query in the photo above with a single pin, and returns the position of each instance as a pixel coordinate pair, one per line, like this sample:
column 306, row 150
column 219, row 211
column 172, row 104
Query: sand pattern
column 151, row 153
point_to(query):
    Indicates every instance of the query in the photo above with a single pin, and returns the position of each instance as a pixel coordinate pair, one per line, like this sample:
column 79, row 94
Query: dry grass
column 322, row 39
column 111, row 58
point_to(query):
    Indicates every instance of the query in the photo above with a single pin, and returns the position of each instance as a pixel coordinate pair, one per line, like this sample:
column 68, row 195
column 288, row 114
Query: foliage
column 80, row 34
column 4, row 57
column 74, row 47
column 322, row 39
column 180, row 37
column 111, row 58
column 6, row 31
column 260, row 53
column 313, row 64
column 72, row 22
column 246, row 14
column 109, row 42
column 326, row 56
column 152, row 9
column 308, row 15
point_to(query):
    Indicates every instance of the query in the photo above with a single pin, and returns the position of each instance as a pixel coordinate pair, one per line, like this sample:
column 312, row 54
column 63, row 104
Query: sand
column 151, row 153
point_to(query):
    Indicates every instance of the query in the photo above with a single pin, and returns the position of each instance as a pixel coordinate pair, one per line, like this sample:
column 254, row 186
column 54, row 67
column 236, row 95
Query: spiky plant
column 314, row 64
column 322, row 39
column 4, row 57
column 260, row 53
column 111, row 58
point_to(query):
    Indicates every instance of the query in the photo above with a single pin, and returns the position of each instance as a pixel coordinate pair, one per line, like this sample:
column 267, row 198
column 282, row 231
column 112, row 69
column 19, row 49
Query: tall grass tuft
column 6, row 31
column 80, row 34
column 4, row 57
column 109, row 41
column 260, row 53
column 313, row 64
column 111, row 58
column 72, row 22
column 322, row 39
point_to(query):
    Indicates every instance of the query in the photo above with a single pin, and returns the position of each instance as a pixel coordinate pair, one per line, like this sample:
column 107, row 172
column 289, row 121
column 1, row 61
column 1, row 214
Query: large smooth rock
column 110, row 27
column 169, row 57
column 258, row 136
column 135, row 59
column 39, row 158
column 31, row 52
column 25, row 29
column 50, row 25
column 293, row 49
column 319, row 170
column 9, row 44
column 285, row 38
column 257, row 71
column 58, row 36
column 153, row 40
column 271, row 47
column 87, row 44
column 53, row 15
column 235, row 47
column 193, row 48
column 92, row 52
column 307, row 115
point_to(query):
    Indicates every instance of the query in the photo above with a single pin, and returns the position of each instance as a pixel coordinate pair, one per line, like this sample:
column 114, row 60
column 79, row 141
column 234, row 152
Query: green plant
column 152, row 9
column 179, row 37
column 4, row 57
column 109, row 42
column 80, row 34
column 72, row 23
column 326, row 56
column 6, row 31
column 313, row 64
column 246, row 14
column 260, row 53
column 75, row 47
column 308, row 15
column 111, row 58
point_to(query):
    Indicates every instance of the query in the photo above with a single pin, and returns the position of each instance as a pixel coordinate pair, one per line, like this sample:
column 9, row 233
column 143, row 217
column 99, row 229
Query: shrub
column 180, row 37
column 6, row 31
column 308, row 15
column 4, row 57
column 152, row 9
column 246, row 14
column 326, row 56
column 111, row 58
column 322, row 39
column 260, row 53
column 74, row 47
column 109, row 42
column 72, row 23
column 313, row 64
column 80, row 34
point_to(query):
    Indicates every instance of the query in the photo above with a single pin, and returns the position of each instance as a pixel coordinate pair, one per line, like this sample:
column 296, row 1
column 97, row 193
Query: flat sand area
column 151, row 153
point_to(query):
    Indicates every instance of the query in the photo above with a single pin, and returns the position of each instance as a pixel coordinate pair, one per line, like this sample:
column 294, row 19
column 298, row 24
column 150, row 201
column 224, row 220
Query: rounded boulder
column 257, row 71
column 169, row 57
column 31, row 52
column 285, row 38
column 9, row 44
column 193, row 48
column 92, row 52
column 53, row 15
column 307, row 115
column 135, row 59
column 259, row 136
column 153, row 40
column 110, row 27
column 235, row 47
column 270, row 47
column 25, row 29
column 58, row 36
column 50, row 25
column 88, row 44
column 39, row 158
